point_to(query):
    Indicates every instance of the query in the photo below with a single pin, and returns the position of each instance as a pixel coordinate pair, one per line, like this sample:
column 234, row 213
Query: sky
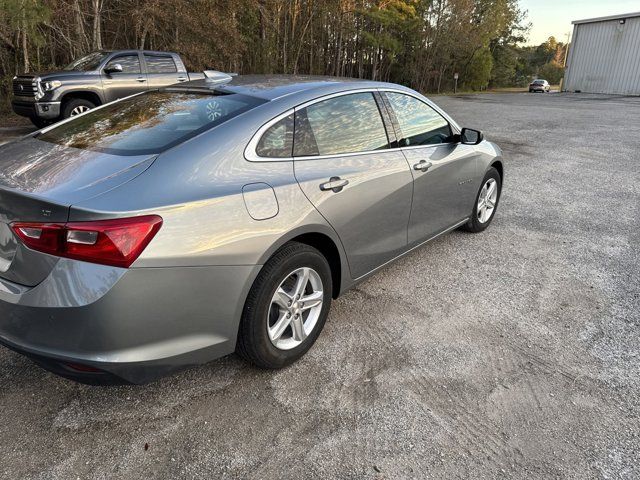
column 553, row 17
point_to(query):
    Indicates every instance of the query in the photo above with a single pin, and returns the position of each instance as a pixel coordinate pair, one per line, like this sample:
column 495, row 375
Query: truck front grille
column 25, row 87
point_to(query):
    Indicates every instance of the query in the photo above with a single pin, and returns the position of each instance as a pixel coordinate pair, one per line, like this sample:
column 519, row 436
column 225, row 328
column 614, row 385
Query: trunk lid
column 39, row 181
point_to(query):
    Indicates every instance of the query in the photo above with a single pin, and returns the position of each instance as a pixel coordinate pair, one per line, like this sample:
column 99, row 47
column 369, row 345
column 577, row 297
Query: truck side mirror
column 115, row 68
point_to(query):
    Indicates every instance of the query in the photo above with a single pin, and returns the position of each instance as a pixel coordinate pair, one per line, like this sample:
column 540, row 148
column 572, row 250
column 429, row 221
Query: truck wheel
column 76, row 106
column 41, row 122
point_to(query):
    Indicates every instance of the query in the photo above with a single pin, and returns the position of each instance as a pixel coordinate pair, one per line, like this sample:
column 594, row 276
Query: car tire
column 531, row 91
column 263, row 338
column 76, row 106
column 41, row 122
column 481, row 217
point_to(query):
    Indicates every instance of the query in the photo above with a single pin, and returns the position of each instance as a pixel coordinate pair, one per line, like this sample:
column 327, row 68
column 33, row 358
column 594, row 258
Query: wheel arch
column 325, row 240
column 85, row 95
column 497, row 164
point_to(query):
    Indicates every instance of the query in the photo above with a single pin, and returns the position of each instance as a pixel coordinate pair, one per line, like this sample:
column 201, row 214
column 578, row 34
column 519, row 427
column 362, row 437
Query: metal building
column 604, row 56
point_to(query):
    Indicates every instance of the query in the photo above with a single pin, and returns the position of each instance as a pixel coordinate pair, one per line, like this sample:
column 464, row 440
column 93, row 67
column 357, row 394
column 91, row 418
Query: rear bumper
column 135, row 324
column 31, row 109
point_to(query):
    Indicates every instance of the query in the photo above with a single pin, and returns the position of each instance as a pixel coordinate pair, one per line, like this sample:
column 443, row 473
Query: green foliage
column 25, row 15
column 517, row 66
column 505, row 64
column 419, row 43
column 478, row 72
column 552, row 72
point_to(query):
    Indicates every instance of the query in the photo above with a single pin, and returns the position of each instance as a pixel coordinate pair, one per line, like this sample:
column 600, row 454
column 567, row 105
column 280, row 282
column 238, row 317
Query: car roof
column 271, row 87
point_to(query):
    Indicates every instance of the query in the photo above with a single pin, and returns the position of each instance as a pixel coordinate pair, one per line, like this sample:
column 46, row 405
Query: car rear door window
column 346, row 124
column 129, row 63
column 419, row 123
column 160, row 64
column 277, row 141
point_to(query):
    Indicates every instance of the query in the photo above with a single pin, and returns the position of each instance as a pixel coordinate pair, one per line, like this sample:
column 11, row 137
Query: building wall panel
column 604, row 57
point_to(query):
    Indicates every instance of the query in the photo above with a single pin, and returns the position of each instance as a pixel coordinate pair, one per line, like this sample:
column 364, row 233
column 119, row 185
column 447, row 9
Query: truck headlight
column 50, row 85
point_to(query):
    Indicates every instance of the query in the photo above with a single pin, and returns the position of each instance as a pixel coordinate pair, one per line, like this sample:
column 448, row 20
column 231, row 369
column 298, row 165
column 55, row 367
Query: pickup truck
column 93, row 80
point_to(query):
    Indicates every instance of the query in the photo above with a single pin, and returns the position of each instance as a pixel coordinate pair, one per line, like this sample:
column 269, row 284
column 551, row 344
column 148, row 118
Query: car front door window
column 443, row 171
column 419, row 123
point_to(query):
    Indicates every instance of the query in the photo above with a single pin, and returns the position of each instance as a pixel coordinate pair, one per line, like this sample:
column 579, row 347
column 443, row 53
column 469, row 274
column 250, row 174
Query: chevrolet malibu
column 175, row 226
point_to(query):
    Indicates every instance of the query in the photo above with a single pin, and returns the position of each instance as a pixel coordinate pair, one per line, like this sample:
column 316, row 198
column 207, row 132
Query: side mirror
column 115, row 68
column 469, row 136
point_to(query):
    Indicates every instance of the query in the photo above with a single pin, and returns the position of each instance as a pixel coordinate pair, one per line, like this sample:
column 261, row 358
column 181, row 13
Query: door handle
column 141, row 79
column 182, row 79
column 335, row 184
column 423, row 165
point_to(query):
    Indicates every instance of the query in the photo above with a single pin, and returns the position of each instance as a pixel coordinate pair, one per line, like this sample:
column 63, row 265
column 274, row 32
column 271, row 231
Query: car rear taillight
column 118, row 242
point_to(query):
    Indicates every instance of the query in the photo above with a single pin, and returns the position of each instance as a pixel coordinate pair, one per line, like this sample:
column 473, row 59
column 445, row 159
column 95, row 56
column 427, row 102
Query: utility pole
column 566, row 50
column 564, row 62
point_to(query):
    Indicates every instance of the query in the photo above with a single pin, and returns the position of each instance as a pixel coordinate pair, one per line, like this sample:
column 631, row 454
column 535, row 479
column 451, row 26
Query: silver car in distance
column 179, row 225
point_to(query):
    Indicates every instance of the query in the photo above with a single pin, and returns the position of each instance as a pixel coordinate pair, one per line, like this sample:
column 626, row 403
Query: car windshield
column 149, row 123
column 538, row 82
column 88, row 62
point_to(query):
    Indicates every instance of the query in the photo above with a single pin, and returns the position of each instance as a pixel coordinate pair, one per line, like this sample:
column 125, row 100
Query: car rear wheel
column 486, row 202
column 76, row 106
column 286, row 308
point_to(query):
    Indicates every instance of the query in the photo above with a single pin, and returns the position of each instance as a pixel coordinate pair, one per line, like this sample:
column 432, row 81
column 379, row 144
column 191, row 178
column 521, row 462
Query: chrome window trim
column 250, row 150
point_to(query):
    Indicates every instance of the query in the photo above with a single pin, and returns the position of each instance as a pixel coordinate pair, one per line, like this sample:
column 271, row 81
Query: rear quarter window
column 277, row 141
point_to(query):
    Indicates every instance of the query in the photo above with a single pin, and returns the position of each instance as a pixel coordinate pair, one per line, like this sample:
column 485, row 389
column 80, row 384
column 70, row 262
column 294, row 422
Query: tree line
column 419, row 43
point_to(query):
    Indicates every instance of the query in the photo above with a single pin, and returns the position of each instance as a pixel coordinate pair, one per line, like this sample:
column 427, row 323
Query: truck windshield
column 88, row 62
column 149, row 123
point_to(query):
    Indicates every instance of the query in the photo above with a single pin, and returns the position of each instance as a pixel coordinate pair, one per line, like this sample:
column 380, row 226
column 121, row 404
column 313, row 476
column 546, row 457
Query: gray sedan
column 179, row 225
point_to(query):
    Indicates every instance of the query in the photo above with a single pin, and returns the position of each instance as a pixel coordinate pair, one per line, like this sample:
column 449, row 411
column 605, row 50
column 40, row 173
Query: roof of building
column 622, row 16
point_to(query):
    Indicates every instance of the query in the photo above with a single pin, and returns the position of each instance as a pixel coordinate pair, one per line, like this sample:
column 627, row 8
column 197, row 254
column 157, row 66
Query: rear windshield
column 149, row 123
column 538, row 82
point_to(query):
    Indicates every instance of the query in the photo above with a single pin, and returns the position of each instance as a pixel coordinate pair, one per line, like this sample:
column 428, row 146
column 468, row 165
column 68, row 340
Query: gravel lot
column 510, row 354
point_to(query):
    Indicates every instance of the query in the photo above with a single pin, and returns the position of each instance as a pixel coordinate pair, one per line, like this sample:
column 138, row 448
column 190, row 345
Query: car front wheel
column 286, row 308
column 486, row 202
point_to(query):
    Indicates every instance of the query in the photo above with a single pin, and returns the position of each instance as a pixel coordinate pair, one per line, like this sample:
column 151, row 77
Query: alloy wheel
column 487, row 200
column 79, row 109
column 295, row 308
